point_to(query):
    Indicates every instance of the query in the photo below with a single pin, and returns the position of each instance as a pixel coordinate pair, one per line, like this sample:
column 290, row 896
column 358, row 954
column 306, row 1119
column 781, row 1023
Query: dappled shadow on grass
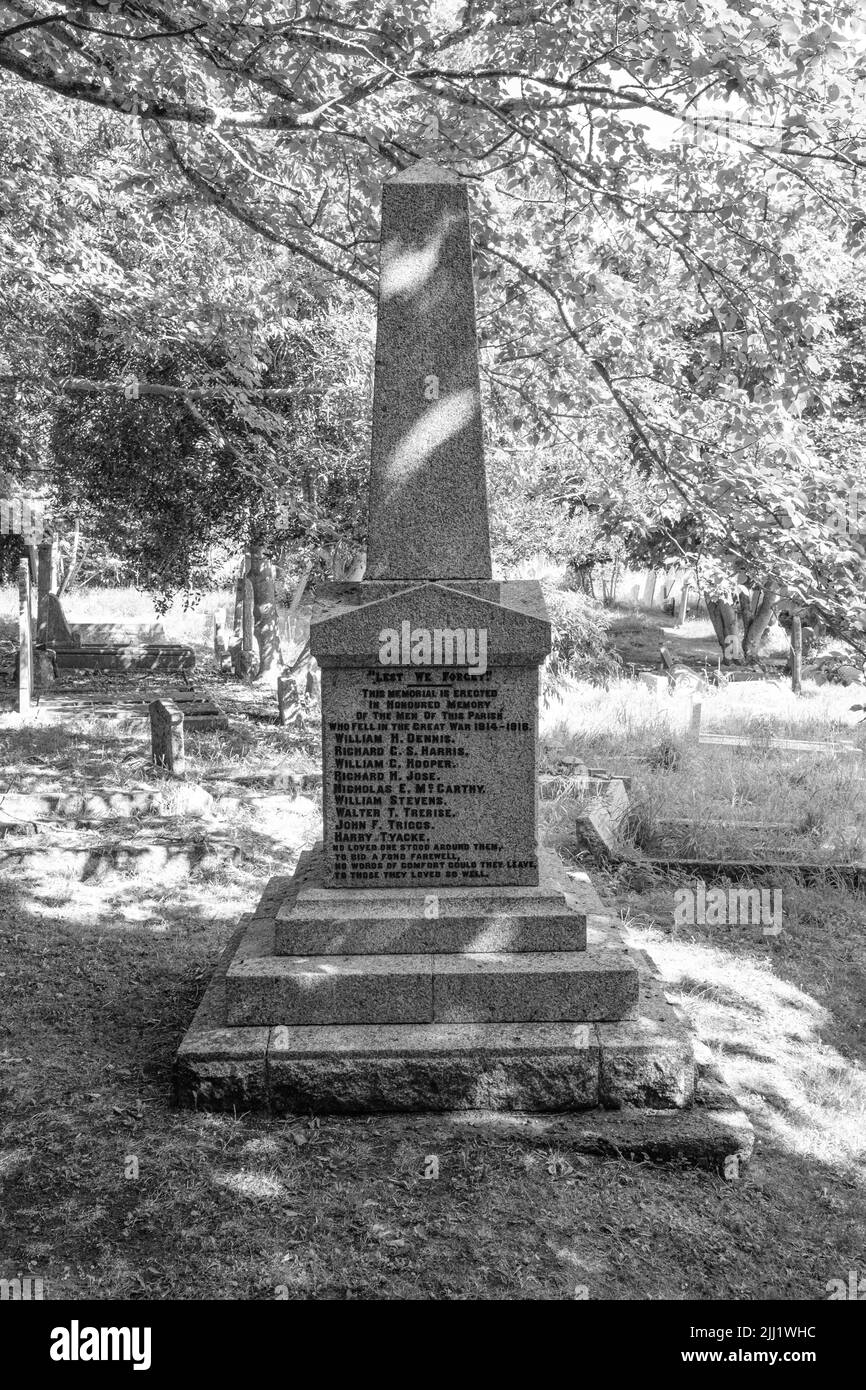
column 252, row 1208
column 637, row 633
column 783, row 1016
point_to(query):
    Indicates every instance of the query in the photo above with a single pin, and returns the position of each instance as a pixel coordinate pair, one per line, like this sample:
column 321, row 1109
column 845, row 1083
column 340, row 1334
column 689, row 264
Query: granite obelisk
column 428, row 495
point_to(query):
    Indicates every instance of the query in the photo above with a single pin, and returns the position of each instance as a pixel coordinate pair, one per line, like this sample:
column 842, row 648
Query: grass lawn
column 108, row 1192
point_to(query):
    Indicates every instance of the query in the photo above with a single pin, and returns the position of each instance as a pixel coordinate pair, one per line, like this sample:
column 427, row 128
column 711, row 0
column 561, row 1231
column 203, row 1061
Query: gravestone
column 167, row 736
column 57, row 629
column 427, row 955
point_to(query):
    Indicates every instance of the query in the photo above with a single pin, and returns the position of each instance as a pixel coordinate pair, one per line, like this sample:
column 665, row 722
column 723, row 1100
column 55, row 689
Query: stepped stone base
column 413, row 1027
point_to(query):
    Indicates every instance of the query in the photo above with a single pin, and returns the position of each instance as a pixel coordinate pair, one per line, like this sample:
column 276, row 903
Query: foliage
column 580, row 645
column 652, row 295
column 162, row 484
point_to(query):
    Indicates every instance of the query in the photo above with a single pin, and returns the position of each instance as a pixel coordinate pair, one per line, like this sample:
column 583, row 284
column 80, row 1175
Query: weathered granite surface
column 167, row 737
column 499, row 1067
column 437, row 1067
column 347, row 619
column 322, row 921
column 648, row 1059
column 429, row 777
column 425, row 987
column 548, row 987
column 428, row 495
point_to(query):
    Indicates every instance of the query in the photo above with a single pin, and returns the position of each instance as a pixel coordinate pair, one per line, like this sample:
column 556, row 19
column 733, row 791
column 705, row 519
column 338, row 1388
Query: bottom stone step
column 376, row 1068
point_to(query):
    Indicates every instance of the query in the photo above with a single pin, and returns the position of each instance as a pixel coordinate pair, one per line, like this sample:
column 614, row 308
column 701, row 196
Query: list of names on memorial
column 421, row 774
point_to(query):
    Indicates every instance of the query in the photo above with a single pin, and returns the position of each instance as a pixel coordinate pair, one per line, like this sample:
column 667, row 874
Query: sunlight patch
column 12, row 1161
column 255, row 1185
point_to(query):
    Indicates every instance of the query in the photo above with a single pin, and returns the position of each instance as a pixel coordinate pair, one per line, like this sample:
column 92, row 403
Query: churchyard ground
column 106, row 1191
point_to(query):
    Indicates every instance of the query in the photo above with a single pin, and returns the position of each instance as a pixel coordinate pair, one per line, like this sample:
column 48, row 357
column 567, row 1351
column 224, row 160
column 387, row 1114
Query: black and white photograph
column 432, row 669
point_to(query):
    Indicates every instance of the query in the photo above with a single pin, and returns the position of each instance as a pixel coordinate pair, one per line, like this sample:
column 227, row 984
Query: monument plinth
column 420, row 958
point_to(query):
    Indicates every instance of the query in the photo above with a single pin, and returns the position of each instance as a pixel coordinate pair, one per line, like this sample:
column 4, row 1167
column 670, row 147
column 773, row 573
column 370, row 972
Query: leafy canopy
column 654, row 284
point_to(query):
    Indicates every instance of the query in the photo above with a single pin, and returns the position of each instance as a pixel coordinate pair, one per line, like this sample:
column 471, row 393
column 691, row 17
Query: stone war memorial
column 426, row 955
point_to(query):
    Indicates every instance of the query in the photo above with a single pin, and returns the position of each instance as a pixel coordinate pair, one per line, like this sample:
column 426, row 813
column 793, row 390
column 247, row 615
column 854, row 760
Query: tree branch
column 225, row 204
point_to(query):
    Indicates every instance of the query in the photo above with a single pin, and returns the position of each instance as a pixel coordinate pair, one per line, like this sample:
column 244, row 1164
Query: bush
column 580, row 645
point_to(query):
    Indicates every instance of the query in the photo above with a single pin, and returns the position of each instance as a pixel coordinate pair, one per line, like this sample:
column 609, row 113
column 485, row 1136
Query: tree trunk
column 716, row 620
column 796, row 655
column 248, row 652
column 267, row 628
column 682, row 606
column 761, row 616
column 237, row 642
column 723, row 616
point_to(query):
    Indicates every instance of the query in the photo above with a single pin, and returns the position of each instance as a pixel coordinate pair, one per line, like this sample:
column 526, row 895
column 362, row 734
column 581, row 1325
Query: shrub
column 580, row 645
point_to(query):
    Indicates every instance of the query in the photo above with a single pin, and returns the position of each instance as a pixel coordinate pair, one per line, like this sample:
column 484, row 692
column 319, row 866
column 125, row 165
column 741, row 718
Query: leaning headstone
column 57, row 630
column 600, row 821
column 44, row 667
column 166, row 736
column 25, row 638
column 426, row 956
column 695, row 720
column 659, row 685
column 221, row 641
